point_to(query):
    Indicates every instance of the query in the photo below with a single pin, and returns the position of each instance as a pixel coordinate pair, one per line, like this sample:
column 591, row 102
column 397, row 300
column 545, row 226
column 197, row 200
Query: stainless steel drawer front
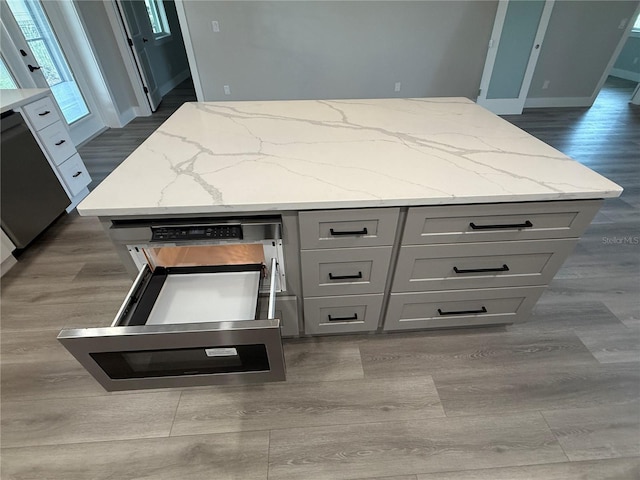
column 348, row 228
column 497, row 222
column 151, row 348
column 161, row 356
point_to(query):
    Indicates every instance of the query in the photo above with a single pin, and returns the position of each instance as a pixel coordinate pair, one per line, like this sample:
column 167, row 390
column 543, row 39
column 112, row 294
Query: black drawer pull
column 343, row 319
column 503, row 268
column 77, row 174
column 463, row 312
column 344, row 277
column 364, row 231
column 526, row 224
column 46, row 112
column 32, row 68
column 60, row 143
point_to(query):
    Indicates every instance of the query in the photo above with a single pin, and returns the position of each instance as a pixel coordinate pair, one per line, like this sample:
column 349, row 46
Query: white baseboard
column 626, row 74
column 128, row 115
column 558, row 102
column 174, row 82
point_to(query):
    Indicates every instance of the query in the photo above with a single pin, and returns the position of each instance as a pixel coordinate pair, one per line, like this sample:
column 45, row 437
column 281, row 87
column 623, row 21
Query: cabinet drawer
column 348, row 228
column 57, row 142
column 496, row 222
column 75, row 174
column 460, row 308
column 353, row 313
column 344, row 271
column 41, row 113
column 479, row 265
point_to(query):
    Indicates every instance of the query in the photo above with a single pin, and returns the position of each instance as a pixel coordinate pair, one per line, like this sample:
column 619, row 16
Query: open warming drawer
column 186, row 326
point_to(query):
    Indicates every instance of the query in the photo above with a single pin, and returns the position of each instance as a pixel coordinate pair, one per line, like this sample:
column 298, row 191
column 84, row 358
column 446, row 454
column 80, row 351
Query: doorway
column 152, row 33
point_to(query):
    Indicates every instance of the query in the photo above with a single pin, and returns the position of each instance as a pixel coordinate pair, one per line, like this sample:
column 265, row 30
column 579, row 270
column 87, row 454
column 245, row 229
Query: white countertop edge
column 337, row 204
column 10, row 99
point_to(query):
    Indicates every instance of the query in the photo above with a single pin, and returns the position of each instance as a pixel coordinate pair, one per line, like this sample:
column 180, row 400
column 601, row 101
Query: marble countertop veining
column 213, row 157
column 10, row 99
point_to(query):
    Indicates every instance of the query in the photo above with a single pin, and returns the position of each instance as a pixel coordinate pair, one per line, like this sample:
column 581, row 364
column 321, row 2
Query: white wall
column 339, row 49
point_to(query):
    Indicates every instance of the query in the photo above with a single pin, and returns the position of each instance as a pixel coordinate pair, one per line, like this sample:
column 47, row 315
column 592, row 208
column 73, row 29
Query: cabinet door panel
column 479, row 265
column 348, row 228
column 345, row 314
column 462, row 308
column 497, row 222
column 346, row 271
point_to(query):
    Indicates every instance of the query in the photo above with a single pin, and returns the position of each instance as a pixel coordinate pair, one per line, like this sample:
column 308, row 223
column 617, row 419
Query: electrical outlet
column 227, row 90
column 545, row 85
column 215, row 25
column 635, row 60
column 623, row 23
column 396, row 88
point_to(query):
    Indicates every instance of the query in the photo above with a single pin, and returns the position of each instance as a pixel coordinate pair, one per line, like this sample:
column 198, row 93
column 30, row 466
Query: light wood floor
column 557, row 397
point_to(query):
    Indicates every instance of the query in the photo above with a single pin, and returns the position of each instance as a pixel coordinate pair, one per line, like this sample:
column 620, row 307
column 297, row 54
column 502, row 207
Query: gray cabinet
column 344, row 271
column 342, row 314
column 460, row 308
column 462, row 265
column 498, row 221
column 345, row 258
column 479, row 265
column 348, row 228
column 447, row 266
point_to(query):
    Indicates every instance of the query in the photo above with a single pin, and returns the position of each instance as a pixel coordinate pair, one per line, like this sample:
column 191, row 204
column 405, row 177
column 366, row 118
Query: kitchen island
column 369, row 215
column 397, row 213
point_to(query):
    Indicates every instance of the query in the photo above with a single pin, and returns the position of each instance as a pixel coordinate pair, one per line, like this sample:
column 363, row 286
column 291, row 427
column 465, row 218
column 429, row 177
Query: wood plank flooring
column 555, row 397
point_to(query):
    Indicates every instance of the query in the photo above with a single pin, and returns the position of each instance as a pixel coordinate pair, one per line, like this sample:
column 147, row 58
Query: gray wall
column 94, row 17
column 339, row 49
column 629, row 53
column 580, row 41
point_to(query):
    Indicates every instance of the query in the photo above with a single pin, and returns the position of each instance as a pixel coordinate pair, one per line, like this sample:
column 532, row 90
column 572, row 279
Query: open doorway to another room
column 624, row 77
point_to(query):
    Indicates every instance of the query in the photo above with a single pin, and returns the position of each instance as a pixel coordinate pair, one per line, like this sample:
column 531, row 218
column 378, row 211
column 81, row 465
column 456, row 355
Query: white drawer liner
column 206, row 297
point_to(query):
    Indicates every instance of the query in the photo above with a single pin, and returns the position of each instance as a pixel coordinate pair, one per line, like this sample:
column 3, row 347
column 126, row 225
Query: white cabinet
column 52, row 134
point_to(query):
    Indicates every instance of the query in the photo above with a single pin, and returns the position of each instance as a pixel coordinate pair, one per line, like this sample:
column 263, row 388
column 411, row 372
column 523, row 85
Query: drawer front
column 57, row 142
column 41, row 113
column 75, row 174
column 348, row 228
column 479, row 265
column 344, row 314
column 497, row 222
column 461, row 308
column 344, row 271
column 286, row 312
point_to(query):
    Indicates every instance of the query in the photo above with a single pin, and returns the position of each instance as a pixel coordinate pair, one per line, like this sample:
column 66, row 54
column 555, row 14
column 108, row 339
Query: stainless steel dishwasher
column 31, row 194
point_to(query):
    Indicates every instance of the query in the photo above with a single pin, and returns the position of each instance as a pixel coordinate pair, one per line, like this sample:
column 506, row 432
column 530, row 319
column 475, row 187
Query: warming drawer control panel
column 196, row 232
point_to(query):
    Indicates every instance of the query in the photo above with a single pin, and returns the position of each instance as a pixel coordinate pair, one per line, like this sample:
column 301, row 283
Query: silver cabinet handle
column 272, row 291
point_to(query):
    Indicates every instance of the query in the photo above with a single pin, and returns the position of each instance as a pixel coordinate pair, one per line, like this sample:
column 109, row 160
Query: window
column 37, row 31
column 158, row 17
column 6, row 80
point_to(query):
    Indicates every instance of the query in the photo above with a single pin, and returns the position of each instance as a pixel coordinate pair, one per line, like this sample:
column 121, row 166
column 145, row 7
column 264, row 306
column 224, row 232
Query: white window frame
column 158, row 6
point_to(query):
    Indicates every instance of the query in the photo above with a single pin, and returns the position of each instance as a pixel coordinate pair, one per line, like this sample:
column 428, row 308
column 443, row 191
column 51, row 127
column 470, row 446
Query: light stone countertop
column 10, row 99
column 214, row 157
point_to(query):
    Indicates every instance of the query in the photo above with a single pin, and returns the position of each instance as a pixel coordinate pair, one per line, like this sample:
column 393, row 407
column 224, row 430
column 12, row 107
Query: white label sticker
column 221, row 352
